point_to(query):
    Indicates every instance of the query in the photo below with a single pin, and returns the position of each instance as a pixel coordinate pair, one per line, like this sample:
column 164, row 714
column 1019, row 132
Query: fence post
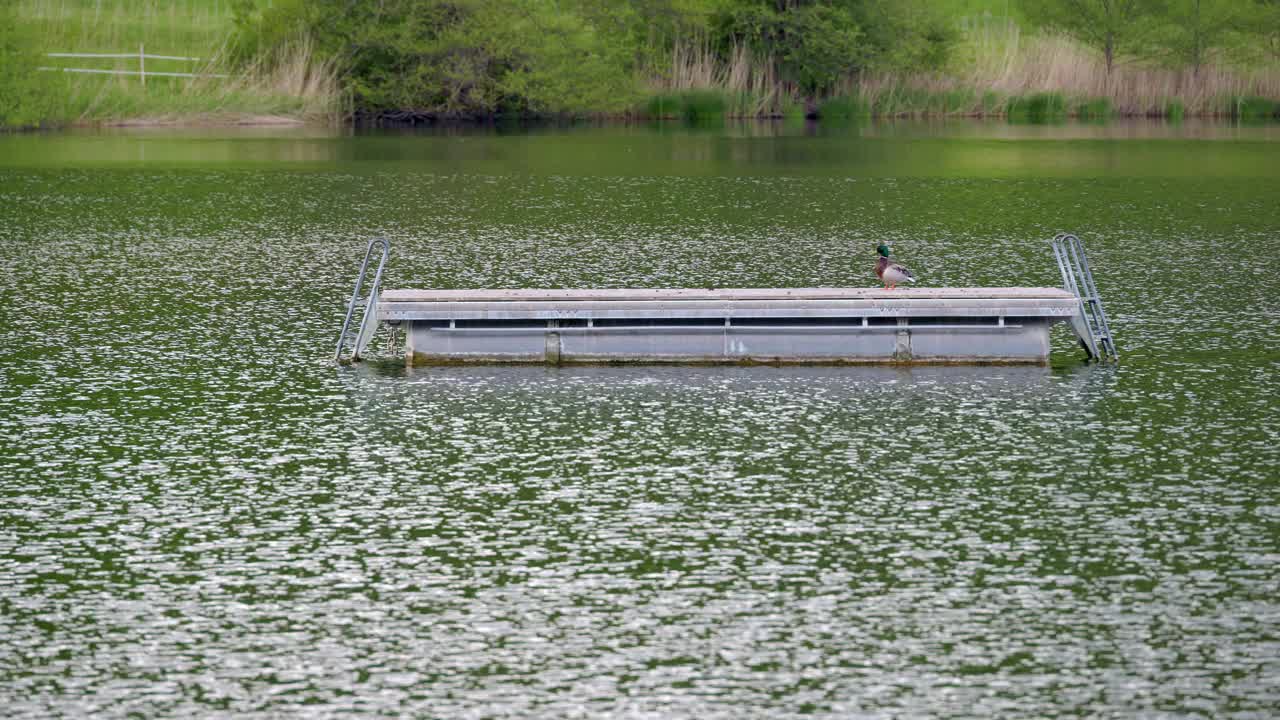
column 142, row 64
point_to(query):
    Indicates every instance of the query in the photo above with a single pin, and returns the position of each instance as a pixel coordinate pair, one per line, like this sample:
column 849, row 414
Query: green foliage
column 816, row 43
column 1094, row 109
column 953, row 102
column 457, row 57
column 1002, row 9
column 1174, row 110
column 899, row 101
column 1253, row 108
column 992, row 103
column 557, row 57
column 741, row 105
column 188, row 27
column 1192, row 30
column 1266, row 24
column 902, row 100
column 696, row 107
column 702, row 106
column 462, row 57
column 663, row 105
column 1112, row 26
column 1179, row 33
column 844, row 107
column 555, row 62
column 253, row 34
column 1036, row 108
column 28, row 97
column 711, row 107
column 792, row 110
column 813, row 43
column 907, row 35
column 29, row 28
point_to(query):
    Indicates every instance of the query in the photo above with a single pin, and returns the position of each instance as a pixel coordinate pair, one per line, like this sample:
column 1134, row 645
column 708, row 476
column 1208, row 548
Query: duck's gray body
column 891, row 273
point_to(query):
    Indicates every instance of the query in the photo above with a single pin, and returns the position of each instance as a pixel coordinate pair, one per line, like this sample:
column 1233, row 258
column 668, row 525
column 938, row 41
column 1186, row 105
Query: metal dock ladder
column 1090, row 322
column 352, row 342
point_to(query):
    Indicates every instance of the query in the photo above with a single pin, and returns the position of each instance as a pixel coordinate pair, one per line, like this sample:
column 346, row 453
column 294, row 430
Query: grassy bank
column 993, row 67
column 290, row 82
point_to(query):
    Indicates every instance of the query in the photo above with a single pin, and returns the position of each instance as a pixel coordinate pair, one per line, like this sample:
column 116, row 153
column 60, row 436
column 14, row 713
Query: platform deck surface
column 721, row 294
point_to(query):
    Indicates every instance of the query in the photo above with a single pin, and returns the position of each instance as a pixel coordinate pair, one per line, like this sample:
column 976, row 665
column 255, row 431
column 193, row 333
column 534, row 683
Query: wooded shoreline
column 698, row 61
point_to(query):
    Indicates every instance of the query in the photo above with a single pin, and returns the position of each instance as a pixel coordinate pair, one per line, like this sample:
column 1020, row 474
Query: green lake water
column 201, row 515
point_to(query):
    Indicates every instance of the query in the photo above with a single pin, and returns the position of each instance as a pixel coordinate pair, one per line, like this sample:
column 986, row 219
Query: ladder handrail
column 1079, row 323
column 1096, row 299
column 1077, row 278
column 1064, row 264
column 368, row 322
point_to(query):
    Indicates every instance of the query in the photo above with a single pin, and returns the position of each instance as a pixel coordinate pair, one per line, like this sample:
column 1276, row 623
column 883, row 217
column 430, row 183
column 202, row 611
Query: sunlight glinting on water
column 200, row 514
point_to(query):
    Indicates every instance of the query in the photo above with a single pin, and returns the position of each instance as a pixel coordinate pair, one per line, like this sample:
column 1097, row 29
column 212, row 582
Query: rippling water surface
column 199, row 514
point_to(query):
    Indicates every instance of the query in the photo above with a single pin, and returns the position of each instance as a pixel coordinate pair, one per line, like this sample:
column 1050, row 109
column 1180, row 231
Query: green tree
column 557, row 61
column 1196, row 28
column 1266, row 23
column 648, row 27
column 457, row 57
column 1112, row 26
column 813, row 42
column 907, row 35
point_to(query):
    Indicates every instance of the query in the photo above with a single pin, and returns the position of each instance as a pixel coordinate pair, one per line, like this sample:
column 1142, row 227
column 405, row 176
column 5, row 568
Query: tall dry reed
column 695, row 65
column 994, row 61
column 294, row 70
column 1010, row 63
column 1001, row 59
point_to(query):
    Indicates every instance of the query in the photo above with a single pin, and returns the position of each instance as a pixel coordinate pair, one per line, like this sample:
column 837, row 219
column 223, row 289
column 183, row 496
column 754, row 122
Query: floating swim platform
column 731, row 325
column 719, row 325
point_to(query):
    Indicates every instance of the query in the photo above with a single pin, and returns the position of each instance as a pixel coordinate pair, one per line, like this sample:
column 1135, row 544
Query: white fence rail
column 141, row 56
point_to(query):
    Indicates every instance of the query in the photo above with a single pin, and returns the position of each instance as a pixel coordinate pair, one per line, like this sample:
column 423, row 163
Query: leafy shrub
column 701, row 106
column 814, row 45
column 694, row 106
column 991, row 104
column 843, row 107
column 952, row 102
column 663, row 105
column 1096, row 109
column 1037, row 107
column 1252, row 107
column 906, row 35
column 455, row 57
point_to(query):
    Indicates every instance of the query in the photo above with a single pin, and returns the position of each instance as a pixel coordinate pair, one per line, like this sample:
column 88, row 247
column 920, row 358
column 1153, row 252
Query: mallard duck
column 891, row 273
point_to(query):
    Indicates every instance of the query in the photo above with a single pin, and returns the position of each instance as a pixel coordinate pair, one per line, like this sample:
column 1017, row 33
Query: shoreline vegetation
column 696, row 61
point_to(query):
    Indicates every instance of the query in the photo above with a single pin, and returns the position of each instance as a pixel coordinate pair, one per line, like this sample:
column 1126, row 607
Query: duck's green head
column 883, row 250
